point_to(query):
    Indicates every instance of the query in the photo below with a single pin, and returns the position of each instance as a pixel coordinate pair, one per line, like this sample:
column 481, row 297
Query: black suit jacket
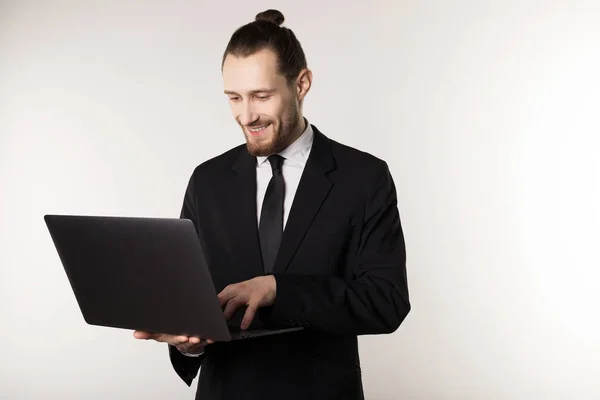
column 340, row 273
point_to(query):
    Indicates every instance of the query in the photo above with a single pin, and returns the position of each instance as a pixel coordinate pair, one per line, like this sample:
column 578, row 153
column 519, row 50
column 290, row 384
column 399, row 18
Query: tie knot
column 275, row 160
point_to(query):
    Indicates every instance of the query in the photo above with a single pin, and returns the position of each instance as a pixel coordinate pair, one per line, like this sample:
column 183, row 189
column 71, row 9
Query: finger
column 142, row 335
column 171, row 339
column 176, row 339
column 228, row 293
column 161, row 337
column 195, row 340
column 232, row 307
column 248, row 317
column 191, row 348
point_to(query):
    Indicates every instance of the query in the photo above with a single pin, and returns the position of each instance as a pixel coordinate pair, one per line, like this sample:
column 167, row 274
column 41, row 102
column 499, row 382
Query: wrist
column 189, row 354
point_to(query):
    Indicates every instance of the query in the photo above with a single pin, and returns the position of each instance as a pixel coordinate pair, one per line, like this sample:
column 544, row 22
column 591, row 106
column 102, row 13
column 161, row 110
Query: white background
column 487, row 113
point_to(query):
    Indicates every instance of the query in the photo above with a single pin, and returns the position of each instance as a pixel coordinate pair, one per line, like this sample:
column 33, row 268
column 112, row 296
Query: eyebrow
column 253, row 91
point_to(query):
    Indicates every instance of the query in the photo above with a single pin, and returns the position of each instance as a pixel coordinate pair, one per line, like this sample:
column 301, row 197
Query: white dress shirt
column 295, row 157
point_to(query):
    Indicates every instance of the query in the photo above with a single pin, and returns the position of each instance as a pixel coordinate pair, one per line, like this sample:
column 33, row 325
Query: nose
column 247, row 115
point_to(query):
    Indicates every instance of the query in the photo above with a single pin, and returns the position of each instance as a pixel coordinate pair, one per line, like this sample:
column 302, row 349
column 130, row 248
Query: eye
column 263, row 98
column 235, row 98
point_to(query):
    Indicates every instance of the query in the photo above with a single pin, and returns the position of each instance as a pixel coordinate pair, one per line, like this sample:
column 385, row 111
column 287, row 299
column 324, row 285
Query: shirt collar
column 297, row 152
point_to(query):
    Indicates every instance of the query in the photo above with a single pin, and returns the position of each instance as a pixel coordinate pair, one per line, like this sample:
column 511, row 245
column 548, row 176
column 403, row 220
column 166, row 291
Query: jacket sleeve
column 376, row 300
column 186, row 366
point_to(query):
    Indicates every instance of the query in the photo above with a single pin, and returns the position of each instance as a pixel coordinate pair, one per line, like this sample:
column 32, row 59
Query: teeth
column 260, row 128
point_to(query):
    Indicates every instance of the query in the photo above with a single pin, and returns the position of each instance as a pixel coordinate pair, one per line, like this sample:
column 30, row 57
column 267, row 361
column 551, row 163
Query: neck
column 299, row 130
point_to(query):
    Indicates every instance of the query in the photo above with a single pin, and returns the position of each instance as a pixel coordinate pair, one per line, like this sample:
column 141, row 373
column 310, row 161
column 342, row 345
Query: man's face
column 261, row 102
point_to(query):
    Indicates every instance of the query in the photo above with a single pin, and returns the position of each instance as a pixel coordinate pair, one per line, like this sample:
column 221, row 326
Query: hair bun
column 273, row 16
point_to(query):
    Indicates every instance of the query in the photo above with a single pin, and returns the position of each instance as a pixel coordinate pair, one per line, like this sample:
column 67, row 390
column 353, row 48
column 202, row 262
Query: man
column 299, row 231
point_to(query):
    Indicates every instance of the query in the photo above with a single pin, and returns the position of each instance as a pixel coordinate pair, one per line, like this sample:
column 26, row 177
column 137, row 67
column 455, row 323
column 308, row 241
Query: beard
column 282, row 132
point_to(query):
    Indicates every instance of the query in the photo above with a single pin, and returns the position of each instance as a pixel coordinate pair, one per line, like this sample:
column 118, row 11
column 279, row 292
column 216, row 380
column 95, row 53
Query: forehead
column 244, row 74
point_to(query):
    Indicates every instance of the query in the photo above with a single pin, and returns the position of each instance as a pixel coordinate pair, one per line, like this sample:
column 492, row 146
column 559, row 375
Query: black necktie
column 270, row 228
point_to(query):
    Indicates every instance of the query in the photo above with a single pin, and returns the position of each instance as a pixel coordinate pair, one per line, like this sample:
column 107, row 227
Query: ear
column 303, row 83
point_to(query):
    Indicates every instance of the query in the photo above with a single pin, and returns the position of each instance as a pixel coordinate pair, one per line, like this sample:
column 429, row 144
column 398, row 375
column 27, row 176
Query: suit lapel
column 312, row 191
column 240, row 210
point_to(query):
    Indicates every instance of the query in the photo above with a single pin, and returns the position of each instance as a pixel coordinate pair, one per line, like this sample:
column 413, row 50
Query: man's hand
column 184, row 344
column 254, row 293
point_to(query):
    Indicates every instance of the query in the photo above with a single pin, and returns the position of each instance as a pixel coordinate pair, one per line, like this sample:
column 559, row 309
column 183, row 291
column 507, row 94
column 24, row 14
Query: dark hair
column 265, row 33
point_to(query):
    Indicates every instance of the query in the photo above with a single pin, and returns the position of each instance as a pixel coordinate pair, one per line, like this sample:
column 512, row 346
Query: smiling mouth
column 258, row 130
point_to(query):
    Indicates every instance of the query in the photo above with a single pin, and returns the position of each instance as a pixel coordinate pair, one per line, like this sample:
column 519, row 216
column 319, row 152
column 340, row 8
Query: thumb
column 142, row 335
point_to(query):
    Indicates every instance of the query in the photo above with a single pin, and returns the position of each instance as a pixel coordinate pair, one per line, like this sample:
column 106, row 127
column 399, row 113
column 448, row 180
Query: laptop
column 147, row 274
